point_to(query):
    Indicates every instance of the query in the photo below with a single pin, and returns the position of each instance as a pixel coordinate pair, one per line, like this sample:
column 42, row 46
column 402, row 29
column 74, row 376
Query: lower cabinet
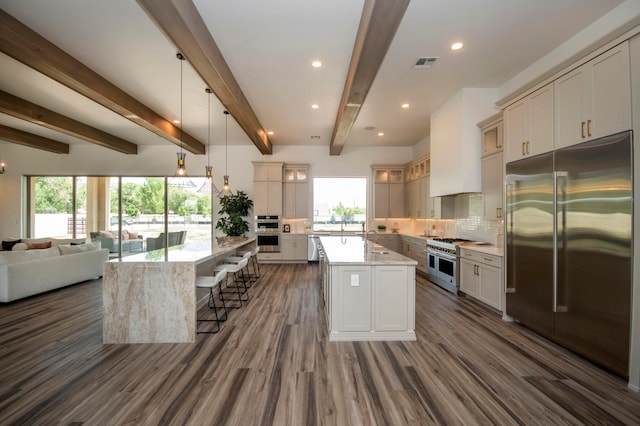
column 415, row 248
column 293, row 247
column 481, row 277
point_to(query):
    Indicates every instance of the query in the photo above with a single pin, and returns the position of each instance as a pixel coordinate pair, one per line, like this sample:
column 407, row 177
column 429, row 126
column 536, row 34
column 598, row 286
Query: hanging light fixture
column 225, row 189
column 208, row 186
column 1, row 166
column 180, row 178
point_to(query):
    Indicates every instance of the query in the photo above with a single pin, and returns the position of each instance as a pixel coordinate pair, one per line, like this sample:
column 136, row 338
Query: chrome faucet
column 342, row 225
column 366, row 238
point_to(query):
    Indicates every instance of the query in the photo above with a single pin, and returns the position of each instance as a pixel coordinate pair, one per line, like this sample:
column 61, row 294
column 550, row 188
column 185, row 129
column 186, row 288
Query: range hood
column 456, row 142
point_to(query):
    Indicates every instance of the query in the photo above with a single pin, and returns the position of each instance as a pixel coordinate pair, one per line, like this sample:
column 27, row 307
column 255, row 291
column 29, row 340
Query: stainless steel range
column 442, row 261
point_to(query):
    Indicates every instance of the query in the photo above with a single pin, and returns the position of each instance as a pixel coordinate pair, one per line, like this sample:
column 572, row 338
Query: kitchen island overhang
column 369, row 291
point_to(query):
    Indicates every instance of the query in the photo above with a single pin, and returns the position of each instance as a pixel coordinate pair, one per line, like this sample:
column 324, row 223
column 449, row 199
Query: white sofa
column 28, row 272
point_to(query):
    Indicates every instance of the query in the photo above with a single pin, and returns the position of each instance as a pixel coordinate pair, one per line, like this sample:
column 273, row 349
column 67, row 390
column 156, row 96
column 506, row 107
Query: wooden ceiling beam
column 26, row 46
column 378, row 26
column 19, row 137
column 28, row 111
column 182, row 24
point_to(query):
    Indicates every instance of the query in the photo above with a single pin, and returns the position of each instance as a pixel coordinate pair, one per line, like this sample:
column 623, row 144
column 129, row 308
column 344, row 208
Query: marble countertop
column 484, row 248
column 197, row 251
column 350, row 250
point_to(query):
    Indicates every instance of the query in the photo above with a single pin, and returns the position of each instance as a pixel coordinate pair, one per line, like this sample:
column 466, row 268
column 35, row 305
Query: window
column 127, row 214
column 339, row 203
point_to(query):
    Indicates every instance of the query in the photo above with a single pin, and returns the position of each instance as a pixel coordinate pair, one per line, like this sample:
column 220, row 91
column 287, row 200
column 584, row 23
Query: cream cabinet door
column 468, row 278
column 492, row 177
column 392, row 298
column 594, row 100
column 490, row 285
column 528, row 125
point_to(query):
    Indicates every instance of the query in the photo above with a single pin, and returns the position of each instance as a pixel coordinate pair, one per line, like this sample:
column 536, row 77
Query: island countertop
column 350, row 250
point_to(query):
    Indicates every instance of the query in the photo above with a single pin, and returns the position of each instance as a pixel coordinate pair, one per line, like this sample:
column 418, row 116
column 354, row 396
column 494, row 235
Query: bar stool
column 213, row 282
column 254, row 273
column 237, row 269
column 237, row 259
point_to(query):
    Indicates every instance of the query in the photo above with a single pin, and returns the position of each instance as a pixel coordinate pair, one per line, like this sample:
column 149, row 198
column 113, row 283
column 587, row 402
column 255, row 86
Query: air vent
column 425, row 62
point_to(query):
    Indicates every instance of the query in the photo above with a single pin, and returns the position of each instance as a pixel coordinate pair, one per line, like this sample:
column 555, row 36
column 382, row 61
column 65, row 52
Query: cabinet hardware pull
column 528, row 152
column 523, row 148
column 497, row 212
column 583, row 130
column 589, row 128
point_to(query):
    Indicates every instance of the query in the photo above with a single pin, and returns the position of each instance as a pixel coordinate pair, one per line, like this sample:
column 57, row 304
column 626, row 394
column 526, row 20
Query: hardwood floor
column 272, row 364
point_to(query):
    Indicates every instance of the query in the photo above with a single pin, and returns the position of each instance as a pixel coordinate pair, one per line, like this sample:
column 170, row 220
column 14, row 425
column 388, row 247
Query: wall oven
column 268, row 233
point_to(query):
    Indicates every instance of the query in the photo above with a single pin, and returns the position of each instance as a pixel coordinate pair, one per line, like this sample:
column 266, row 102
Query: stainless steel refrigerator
column 569, row 247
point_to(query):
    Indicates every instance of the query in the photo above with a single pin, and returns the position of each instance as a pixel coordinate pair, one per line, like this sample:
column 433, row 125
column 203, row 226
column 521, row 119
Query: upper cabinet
column 528, row 125
column 594, row 100
column 417, row 188
column 388, row 191
column 296, row 191
column 492, row 136
column 267, row 171
column 492, row 166
column 267, row 188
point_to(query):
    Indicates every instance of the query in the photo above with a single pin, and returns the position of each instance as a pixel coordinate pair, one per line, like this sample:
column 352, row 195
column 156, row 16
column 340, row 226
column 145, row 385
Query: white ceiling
column 269, row 46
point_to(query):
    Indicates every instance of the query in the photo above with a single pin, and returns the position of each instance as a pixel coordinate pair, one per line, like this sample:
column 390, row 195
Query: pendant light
column 1, row 166
column 225, row 189
column 208, row 186
column 180, row 178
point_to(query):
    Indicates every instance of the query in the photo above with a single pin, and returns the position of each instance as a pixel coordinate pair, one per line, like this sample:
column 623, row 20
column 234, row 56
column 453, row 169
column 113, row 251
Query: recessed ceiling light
column 380, row 133
column 176, row 121
column 457, row 45
column 316, row 64
column 405, row 106
column 315, row 106
column 270, row 132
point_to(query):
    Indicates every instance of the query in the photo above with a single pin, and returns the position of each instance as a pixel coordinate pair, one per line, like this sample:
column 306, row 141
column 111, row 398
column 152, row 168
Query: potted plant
column 233, row 210
column 382, row 228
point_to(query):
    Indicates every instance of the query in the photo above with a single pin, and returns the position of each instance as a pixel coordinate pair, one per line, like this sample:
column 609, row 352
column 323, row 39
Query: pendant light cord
column 226, row 141
column 209, row 128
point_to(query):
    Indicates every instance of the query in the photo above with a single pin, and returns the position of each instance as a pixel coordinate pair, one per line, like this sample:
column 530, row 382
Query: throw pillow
column 125, row 236
column 133, row 236
column 8, row 245
column 37, row 246
column 20, row 246
column 106, row 234
column 78, row 244
column 72, row 249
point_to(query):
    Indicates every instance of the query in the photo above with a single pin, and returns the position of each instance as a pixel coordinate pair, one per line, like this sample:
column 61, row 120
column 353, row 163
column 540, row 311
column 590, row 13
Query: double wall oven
column 268, row 231
column 442, row 262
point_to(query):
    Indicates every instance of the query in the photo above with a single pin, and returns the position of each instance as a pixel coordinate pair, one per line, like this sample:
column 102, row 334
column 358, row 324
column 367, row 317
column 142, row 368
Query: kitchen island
column 369, row 291
column 151, row 297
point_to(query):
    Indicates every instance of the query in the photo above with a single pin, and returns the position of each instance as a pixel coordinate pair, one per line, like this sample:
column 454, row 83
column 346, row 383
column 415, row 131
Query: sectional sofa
column 28, row 272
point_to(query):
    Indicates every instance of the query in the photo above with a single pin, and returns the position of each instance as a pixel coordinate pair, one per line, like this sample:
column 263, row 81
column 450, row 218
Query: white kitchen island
column 369, row 294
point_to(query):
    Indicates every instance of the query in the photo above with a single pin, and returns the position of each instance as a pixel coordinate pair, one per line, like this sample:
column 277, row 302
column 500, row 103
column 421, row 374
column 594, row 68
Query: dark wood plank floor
column 272, row 364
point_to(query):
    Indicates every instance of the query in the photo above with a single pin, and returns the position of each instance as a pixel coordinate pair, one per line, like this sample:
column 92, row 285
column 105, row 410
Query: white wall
column 161, row 160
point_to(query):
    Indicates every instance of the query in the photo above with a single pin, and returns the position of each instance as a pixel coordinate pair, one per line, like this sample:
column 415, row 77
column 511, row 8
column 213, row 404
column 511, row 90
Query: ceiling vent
column 425, row 62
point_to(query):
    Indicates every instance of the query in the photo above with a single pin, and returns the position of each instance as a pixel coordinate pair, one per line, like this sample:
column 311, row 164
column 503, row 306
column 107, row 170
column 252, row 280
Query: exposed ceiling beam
column 182, row 24
column 26, row 46
column 28, row 111
column 33, row 141
column 378, row 25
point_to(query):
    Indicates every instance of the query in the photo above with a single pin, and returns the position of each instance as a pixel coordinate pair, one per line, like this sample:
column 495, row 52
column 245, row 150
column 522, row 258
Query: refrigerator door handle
column 509, row 188
column 559, row 184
